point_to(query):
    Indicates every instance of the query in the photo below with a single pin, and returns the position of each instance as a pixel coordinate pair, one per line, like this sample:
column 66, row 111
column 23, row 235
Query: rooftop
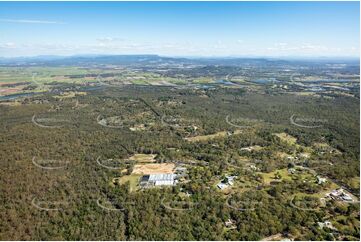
column 162, row 177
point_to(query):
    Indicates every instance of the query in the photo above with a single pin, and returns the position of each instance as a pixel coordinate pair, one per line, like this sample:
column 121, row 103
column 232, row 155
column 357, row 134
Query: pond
column 17, row 95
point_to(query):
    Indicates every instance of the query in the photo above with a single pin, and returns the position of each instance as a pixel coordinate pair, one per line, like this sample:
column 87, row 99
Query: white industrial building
column 162, row 179
column 158, row 180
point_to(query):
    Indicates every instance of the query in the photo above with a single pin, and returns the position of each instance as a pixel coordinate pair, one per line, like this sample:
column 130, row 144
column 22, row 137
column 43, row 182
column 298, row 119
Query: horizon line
column 189, row 56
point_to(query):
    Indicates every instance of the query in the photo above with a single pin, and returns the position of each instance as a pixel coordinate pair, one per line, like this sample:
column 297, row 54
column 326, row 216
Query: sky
column 247, row 29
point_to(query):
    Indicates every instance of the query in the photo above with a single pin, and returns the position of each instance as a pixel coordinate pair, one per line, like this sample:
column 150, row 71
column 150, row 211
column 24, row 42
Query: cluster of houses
column 340, row 195
column 319, row 180
column 228, row 181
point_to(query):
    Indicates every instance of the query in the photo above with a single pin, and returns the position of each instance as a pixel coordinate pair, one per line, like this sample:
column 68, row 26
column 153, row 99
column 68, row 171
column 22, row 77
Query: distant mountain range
column 158, row 60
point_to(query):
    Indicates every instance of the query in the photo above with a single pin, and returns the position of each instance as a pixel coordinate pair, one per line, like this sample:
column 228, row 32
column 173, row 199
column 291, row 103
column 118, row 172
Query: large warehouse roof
column 162, row 177
column 164, row 183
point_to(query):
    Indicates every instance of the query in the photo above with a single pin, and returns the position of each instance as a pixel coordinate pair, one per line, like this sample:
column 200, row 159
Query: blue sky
column 180, row 28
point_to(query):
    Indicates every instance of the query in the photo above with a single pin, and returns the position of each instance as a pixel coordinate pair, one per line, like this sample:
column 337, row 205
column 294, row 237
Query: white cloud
column 114, row 45
column 110, row 39
column 298, row 48
column 8, row 45
column 30, row 21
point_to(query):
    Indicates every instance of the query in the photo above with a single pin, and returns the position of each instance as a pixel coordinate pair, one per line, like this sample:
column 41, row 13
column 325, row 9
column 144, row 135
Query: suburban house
column 229, row 181
column 340, row 194
column 326, row 224
column 230, row 223
column 321, row 180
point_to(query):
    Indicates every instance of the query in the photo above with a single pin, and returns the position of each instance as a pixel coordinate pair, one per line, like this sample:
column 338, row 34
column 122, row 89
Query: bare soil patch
column 157, row 168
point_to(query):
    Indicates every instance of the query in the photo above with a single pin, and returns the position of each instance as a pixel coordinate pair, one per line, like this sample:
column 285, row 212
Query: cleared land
column 272, row 176
column 165, row 168
column 133, row 180
column 143, row 158
column 70, row 94
column 210, row 136
column 286, row 138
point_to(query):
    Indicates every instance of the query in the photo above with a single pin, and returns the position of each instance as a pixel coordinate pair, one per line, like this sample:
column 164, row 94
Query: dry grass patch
column 70, row 94
column 271, row 176
column 11, row 90
column 157, row 168
column 281, row 155
column 286, row 138
column 220, row 134
column 133, row 180
column 143, row 158
column 305, row 94
column 321, row 145
column 15, row 103
column 206, row 137
column 326, row 147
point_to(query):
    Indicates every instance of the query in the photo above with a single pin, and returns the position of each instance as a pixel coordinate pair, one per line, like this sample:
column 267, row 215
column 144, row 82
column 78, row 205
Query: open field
column 269, row 177
column 286, row 138
column 133, row 180
column 167, row 168
column 206, row 137
column 220, row 134
column 70, row 94
column 143, row 158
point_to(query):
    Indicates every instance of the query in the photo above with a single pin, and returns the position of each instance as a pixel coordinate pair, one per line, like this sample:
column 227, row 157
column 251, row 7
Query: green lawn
column 269, row 177
column 133, row 180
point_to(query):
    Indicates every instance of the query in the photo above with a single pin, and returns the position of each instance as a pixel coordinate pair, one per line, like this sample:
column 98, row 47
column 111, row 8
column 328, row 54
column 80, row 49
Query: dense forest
column 168, row 116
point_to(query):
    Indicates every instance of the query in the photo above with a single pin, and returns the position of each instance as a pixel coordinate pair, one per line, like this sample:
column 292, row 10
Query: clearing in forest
column 272, row 176
column 206, row 137
column 143, row 158
column 132, row 179
column 211, row 136
column 154, row 168
column 286, row 138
